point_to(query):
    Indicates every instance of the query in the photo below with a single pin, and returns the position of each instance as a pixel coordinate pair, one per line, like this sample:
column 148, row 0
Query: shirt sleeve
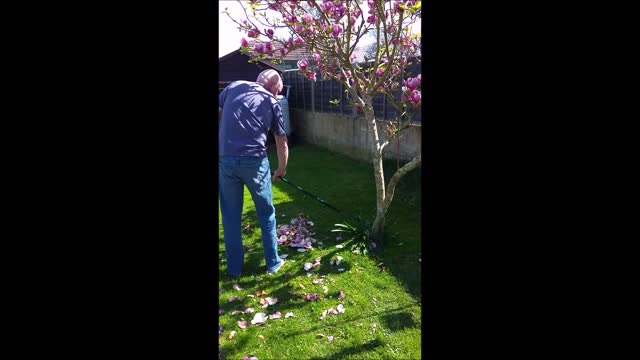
column 278, row 120
column 222, row 96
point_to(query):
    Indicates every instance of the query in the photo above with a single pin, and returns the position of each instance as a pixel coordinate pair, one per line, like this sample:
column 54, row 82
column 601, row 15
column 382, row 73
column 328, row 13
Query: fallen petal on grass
column 221, row 312
column 236, row 287
column 242, row 324
column 271, row 301
column 312, row 296
column 276, row 315
column 309, row 274
column 302, row 249
column 341, row 269
column 231, row 334
column 248, row 310
column 339, row 246
column 320, row 335
column 341, row 296
column 261, row 337
column 307, row 266
column 317, row 281
column 330, row 338
column 288, row 315
column 259, row 318
column 341, row 308
column 249, row 358
column 236, row 312
column 231, row 298
column 260, row 293
column 325, row 289
column 338, row 260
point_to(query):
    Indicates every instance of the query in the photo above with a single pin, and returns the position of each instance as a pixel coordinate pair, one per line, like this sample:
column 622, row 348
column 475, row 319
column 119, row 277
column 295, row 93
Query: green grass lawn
column 382, row 318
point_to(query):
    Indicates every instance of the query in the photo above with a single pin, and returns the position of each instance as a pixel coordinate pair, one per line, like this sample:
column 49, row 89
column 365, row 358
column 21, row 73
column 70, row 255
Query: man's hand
column 278, row 174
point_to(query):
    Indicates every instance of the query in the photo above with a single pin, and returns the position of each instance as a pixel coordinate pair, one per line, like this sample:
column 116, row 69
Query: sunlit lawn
column 383, row 308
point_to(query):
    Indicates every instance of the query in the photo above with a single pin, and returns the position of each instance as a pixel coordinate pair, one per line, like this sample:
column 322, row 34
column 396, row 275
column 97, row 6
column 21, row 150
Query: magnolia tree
column 330, row 31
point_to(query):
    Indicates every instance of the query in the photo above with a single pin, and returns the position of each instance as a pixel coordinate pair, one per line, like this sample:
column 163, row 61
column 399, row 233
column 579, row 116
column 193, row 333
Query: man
column 248, row 111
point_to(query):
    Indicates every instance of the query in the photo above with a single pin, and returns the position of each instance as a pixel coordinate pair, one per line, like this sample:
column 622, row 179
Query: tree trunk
column 377, row 230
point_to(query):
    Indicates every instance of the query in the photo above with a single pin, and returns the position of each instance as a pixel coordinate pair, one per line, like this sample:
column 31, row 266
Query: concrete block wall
column 350, row 135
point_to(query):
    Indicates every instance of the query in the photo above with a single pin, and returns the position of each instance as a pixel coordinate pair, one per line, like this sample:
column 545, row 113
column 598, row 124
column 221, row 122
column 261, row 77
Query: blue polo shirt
column 249, row 110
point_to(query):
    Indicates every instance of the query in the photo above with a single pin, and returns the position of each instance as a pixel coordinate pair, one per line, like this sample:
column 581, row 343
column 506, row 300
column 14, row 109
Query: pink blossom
column 298, row 41
column 298, row 28
column 259, row 48
column 270, row 33
column 307, row 18
column 337, row 29
column 283, row 52
column 352, row 58
column 419, row 78
column 312, row 76
column 379, row 71
column 328, row 7
column 302, row 65
column 268, row 48
column 371, row 19
column 411, row 83
column 415, row 96
column 244, row 42
column 316, row 57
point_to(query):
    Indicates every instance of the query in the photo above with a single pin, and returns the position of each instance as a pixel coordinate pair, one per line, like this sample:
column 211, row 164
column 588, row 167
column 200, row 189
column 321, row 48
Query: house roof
column 263, row 62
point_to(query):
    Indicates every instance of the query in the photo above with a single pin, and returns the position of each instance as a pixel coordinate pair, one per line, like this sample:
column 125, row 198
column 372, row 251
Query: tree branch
column 391, row 187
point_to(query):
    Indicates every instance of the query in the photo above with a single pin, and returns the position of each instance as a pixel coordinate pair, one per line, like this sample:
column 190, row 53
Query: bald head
column 271, row 80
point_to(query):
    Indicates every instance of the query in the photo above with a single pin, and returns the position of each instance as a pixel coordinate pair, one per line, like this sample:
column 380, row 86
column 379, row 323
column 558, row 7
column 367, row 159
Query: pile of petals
column 297, row 234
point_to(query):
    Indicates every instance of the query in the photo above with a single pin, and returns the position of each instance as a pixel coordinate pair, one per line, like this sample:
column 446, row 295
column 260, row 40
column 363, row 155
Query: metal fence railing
column 316, row 96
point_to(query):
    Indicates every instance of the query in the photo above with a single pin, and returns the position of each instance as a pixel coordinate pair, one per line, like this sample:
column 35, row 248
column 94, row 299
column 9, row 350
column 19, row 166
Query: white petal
column 284, row 256
column 330, row 338
column 341, row 308
column 341, row 269
column 302, row 249
column 307, row 266
column 259, row 318
column 326, row 289
column 339, row 246
column 309, row 274
column 289, row 314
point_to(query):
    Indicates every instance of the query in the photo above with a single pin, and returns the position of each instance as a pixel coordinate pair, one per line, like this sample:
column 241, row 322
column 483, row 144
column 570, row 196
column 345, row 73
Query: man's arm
column 283, row 156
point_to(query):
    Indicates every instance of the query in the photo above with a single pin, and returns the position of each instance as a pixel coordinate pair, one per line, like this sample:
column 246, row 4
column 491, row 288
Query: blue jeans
column 234, row 173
